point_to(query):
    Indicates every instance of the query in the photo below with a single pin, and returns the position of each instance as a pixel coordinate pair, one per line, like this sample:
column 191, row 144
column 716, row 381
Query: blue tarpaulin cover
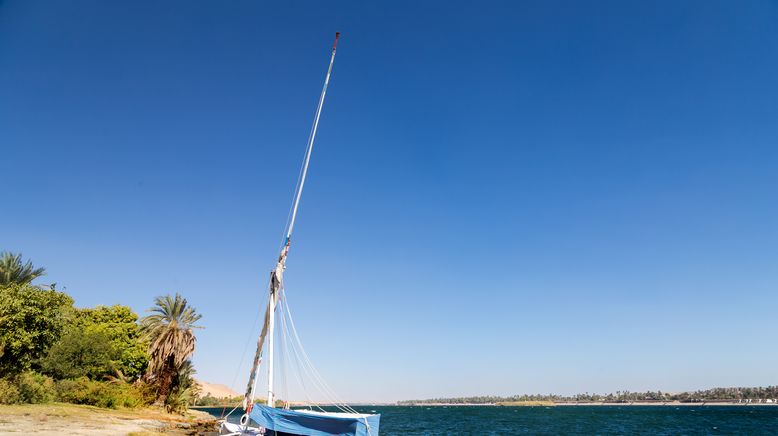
column 315, row 423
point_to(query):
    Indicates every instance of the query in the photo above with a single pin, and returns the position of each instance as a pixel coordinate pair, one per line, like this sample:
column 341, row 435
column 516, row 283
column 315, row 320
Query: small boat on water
column 268, row 419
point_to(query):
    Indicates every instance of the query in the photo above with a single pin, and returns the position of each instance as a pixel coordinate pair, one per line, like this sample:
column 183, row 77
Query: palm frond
column 14, row 271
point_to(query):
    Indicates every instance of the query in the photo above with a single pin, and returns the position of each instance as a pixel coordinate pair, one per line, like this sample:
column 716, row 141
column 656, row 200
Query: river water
column 573, row 420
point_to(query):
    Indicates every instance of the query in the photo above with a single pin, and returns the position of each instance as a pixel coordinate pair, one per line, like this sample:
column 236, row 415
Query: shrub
column 80, row 353
column 178, row 401
column 35, row 388
column 103, row 394
column 9, row 394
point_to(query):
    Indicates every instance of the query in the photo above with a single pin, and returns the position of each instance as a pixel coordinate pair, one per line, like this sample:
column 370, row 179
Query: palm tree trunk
column 165, row 382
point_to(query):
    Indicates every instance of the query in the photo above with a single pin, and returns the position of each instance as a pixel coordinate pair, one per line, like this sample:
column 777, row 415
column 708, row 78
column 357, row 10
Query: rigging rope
column 312, row 371
column 298, row 374
column 290, row 227
column 287, row 331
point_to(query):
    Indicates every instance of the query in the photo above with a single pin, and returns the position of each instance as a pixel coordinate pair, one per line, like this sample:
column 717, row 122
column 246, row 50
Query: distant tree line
column 715, row 394
column 209, row 400
column 104, row 356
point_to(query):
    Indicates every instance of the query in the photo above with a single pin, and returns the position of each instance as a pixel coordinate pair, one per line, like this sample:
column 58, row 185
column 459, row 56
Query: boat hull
column 281, row 422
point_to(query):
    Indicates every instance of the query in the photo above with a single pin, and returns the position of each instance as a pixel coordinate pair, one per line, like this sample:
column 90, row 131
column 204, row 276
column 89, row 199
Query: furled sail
column 276, row 280
column 307, row 422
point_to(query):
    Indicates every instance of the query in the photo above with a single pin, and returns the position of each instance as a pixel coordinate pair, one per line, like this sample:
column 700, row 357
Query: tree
column 81, row 354
column 119, row 324
column 31, row 320
column 14, row 271
column 169, row 330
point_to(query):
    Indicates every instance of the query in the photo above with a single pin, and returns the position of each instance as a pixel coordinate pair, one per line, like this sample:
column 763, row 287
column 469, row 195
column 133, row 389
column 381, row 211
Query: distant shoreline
column 535, row 404
column 595, row 403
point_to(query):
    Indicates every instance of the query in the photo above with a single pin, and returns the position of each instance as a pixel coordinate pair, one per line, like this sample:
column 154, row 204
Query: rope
column 306, row 162
column 288, row 336
column 233, row 409
column 297, row 363
column 283, row 361
column 325, row 389
column 243, row 357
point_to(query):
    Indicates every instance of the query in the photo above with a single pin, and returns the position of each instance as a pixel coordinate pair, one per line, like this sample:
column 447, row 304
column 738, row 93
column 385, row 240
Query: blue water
column 574, row 420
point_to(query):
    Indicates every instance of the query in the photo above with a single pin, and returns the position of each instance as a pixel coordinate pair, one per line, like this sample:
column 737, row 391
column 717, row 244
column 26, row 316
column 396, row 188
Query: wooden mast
column 276, row 276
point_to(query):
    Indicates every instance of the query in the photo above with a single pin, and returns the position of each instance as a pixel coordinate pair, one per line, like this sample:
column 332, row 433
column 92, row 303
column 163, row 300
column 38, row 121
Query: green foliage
column 80, row 353
column 31, row 320
column 14, row 271
column 104, row 394
column 208, row 400
column 184, row 390
column 179, row 400
column 9, row 393
column 119, row 324
column 35, row 388
column 184, row 377
column 40, row 329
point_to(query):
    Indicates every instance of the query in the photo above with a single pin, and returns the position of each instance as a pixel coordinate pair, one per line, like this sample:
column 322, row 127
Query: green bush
column 35, row 388
column 80, row 353
column 103, row 394
column 178, row 401
column 9, row 394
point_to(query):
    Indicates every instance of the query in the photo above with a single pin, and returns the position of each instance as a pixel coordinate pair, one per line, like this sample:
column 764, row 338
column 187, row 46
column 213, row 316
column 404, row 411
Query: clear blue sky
column 505, row 197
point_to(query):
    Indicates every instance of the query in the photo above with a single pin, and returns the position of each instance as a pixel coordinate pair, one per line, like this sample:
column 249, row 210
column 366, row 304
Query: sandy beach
column 58, row 419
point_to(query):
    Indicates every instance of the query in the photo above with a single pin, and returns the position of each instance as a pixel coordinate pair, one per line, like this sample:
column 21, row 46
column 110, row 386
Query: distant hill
column 216, row 390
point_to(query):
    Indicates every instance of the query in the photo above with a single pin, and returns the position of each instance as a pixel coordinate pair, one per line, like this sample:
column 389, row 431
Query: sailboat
column 268, row 419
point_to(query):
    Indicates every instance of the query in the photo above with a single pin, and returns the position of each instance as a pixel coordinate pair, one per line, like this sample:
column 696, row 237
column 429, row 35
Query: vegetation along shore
column 716, row 396
column 103, row 366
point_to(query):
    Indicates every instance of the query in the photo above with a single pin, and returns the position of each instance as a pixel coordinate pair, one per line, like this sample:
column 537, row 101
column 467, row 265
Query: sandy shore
column 68, row 419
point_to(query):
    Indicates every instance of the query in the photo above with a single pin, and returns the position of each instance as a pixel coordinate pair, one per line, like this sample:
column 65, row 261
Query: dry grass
column 70, row 419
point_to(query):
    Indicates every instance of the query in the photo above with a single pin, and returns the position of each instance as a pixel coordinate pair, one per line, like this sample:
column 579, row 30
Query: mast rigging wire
column 289, row 229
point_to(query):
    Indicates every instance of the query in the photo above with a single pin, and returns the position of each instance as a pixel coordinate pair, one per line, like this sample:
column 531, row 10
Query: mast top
column 335, row 44
column 309, row 146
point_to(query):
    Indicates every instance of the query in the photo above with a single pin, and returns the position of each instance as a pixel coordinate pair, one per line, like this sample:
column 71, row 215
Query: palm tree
column 14, row 271
column 170, row 332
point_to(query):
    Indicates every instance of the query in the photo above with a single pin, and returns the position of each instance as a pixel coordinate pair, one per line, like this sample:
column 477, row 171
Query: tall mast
column 285, row 250
column 276, row 276
column 311, row 138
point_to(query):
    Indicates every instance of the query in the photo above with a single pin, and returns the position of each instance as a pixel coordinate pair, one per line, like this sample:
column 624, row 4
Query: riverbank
column 664, row 403
column 74, row 420
column 595, row 403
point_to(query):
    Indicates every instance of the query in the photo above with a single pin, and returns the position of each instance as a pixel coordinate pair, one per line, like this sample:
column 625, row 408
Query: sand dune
column 216, row 390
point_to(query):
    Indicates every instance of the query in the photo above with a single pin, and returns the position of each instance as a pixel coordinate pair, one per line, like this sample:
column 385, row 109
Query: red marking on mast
column 335, row 44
